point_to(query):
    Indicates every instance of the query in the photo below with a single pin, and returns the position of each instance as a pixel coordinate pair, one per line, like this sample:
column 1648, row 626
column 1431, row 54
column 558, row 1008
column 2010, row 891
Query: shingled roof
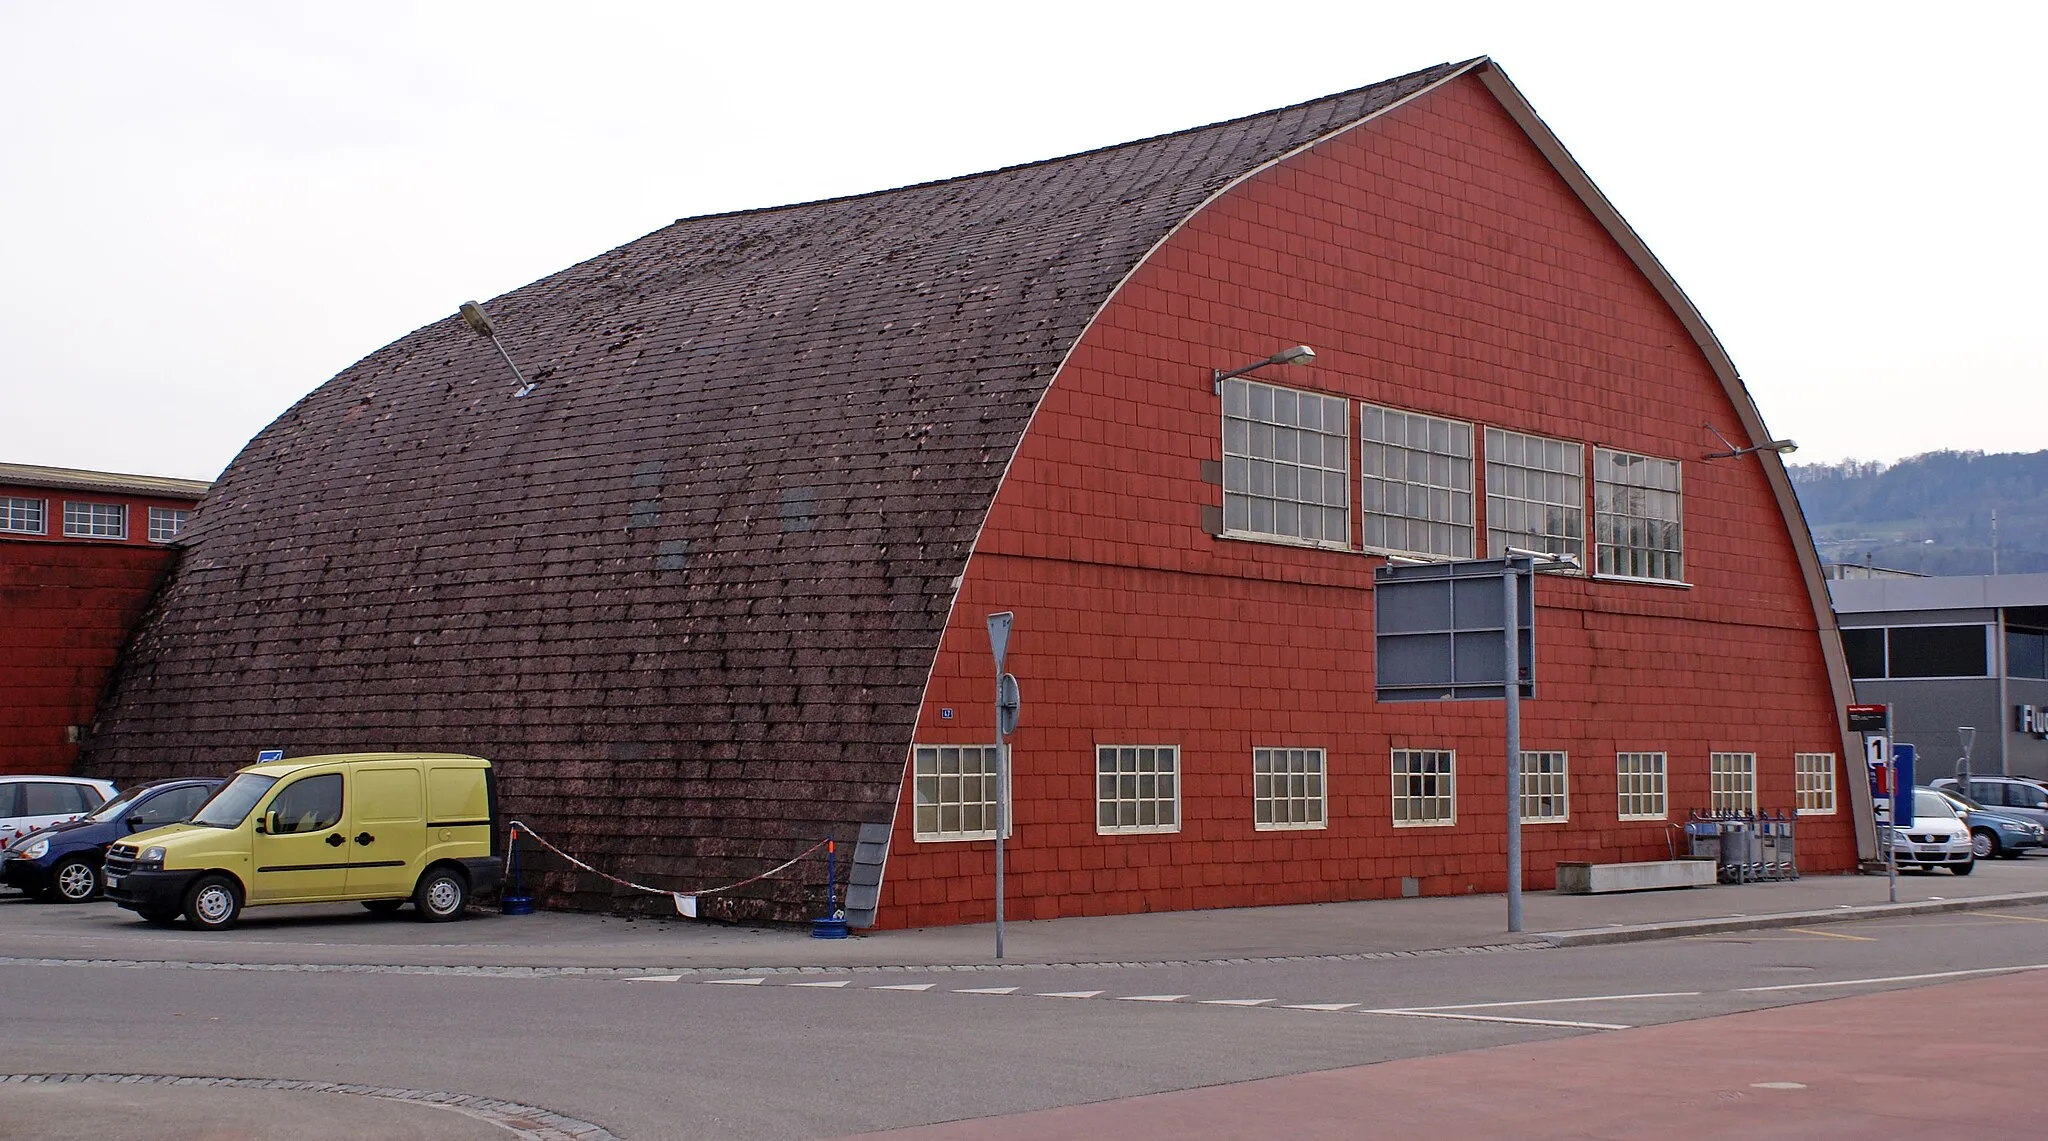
column 688, row 592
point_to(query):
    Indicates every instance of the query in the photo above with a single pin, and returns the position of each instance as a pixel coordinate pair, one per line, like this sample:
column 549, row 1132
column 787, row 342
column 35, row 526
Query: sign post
column 1874, row 722
column 1006, row 722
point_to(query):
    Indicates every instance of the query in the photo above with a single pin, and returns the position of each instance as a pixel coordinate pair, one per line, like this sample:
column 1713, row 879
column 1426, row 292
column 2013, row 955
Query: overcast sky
column 211, row 209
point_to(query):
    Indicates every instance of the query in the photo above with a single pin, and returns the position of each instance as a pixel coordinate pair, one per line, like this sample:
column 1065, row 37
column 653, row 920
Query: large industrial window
column 1639, row 785
column 1137, row 788
column 1731, row 782
column 1287, row 788
column 1425, row 787
column 96, row 520
column 1636, row 517
column 21, row 516
column 956, row 791
column 2026, row 653
column 1543, row 789
column 1415, row 483
column 1535, row 494
column 1286, row 464
column 1920, row 652
column 1813, row 777
column 165, row 523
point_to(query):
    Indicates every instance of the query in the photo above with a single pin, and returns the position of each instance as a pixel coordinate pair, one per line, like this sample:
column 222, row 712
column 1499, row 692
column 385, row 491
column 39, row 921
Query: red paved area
column 1953, row 1060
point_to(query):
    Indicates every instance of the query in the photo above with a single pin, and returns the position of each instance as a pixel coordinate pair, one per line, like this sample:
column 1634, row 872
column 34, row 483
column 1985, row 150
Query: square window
column 1425, row 787
column 1287, row 789
column 1416, row 483
column 1285, row 465
column 954, row 789
column 1137, row 788
column 1731, row 783
column 23, row 516
column 1814, row 782
column 165, row 523
column 1535, row 494
column 1639, row 786
column 1636, row 517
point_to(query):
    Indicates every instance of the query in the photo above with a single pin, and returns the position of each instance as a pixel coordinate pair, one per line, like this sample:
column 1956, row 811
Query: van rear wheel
column 441, row 895
column 213, row 904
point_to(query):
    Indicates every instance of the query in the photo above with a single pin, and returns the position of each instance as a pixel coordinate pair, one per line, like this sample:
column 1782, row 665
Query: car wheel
column 441, row 895
column 1963, row 869
column 75, row 880
column 1984, row 844
column 159, row 918
column 213, row 904
column 382, row 906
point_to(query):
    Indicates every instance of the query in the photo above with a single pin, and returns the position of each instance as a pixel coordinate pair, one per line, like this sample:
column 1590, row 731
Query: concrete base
column 1652, row 875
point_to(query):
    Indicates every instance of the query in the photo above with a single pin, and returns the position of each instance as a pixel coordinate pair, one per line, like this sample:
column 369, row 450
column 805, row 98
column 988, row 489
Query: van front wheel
column 213, row 904
column 441, row 895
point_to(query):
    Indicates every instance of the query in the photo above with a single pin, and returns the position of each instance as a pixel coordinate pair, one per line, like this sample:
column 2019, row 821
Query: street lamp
column 1299, row 354
column 480, row 323
column 1782, row 447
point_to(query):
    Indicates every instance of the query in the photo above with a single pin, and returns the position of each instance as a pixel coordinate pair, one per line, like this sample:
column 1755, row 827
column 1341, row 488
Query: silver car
column 1937, row 837
column 2015, row 796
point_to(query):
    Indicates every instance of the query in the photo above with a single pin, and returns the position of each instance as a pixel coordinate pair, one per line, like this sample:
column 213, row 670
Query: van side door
column 387, row 830
column 300, row 851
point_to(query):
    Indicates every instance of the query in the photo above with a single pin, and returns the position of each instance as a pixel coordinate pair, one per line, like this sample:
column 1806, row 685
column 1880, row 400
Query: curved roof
column 686, row 593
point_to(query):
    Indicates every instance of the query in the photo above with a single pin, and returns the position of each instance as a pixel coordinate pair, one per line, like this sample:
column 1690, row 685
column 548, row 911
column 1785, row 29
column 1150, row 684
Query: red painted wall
column 66, row 609
column 1437, row 264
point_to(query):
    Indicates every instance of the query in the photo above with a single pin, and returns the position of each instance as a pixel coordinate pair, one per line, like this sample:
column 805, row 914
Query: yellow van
column 382, row 828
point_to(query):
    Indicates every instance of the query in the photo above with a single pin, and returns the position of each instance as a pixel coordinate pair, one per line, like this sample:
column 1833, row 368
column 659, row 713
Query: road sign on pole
column 999, row 636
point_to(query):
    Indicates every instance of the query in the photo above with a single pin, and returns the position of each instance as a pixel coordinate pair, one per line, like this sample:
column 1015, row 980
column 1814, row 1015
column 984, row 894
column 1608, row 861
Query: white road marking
column 1544, row 1001
column 1895, row 979
column 1500, row 1018
column 1150, row 997
column 914, row 986
column 1321, row 1005
column 1235, row 1001
column 840, row 983
column 1070, row 993
column 987, row 990
column 657, row 979
column 738, row 982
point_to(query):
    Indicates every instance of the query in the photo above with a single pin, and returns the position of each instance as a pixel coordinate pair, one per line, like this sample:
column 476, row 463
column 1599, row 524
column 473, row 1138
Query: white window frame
column 1416, row 804
column 1272, row 487
column 88, row 519
column 1642, row 780
column 1431, row 462
column 1546, row 777
column 1628, row 512
column 21, row 515
column 166, row 522
column 1303, row 802
column 1548, row 492
column 1813, row 777
column 930, row 791
column 1128, row 787
column 1731, row 782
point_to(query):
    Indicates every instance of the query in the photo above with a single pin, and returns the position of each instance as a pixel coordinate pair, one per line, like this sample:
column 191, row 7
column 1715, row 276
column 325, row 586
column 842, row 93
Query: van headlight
column 151, row 855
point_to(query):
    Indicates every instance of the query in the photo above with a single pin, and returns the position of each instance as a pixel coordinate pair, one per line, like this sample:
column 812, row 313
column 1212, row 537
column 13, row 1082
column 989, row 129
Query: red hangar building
column 708, row 580
column 81, row 553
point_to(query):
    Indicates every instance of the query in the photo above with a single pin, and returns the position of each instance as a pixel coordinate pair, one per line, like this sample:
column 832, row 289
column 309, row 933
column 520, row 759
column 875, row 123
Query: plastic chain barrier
column 686, row 902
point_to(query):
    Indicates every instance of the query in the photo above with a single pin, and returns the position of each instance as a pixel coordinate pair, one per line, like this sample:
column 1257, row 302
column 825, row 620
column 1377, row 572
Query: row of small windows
column 1286, row 463
column 86, row 520
column 1137, row 788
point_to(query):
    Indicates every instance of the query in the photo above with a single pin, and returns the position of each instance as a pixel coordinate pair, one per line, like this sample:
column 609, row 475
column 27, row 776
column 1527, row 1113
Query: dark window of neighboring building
column 1865, row 651
column 1936, row 651
column 2026, row 654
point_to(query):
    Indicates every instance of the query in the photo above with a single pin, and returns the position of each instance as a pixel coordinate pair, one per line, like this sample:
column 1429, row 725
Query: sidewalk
column 564, row 941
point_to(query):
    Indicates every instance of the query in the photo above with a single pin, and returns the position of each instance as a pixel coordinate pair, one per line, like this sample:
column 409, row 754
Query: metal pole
column 1514, row 732
column 1002, row 809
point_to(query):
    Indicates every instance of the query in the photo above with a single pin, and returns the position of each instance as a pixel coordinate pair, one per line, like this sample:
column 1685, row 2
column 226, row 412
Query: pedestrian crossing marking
column 1235, row 1001
column 1068, row 994
column 905, row 986
column 987, row 990
column 1151, row 997
column 738, row 982
column 1321, row 1005
column 840, row 983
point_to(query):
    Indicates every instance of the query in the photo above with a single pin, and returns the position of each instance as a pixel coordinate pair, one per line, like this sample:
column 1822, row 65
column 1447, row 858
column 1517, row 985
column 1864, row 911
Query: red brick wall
column 66, row 609
column 1436, row 263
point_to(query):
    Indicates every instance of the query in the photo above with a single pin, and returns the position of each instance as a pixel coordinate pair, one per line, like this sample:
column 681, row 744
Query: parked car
column 1937, row 838
column 2015, row 796
column 30, row 802
column 66, row 861
column 379, row 828
column 1994, row 832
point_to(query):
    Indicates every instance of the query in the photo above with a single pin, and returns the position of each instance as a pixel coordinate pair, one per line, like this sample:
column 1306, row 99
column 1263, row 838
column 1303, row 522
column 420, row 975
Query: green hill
column 1930, row 513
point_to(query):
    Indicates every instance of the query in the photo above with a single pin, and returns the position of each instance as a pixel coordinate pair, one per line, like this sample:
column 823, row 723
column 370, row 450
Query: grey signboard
column 1440, row 630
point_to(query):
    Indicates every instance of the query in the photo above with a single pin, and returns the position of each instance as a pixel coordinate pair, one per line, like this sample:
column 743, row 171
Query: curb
column 1595, row 936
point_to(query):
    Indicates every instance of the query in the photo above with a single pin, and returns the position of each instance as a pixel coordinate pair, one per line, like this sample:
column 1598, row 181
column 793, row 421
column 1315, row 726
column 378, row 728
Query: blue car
column 63, row 862
column 1994, row 832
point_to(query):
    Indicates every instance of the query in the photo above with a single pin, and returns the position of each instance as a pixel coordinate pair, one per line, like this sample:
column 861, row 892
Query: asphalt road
column 821, row 1054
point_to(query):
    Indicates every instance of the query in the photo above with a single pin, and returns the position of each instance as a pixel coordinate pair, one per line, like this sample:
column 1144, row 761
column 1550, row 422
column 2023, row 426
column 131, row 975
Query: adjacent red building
column 715, row 587
column 81, row 553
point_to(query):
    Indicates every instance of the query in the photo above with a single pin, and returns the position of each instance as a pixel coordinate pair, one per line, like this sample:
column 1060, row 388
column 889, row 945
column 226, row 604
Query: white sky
column 210, row 209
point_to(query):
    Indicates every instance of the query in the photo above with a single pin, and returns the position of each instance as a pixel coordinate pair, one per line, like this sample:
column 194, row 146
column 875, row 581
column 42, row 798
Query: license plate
column 113, row 881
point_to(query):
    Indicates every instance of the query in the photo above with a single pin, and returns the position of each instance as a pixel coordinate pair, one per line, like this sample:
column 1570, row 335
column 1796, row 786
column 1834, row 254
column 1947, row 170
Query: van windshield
column 231, row 805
